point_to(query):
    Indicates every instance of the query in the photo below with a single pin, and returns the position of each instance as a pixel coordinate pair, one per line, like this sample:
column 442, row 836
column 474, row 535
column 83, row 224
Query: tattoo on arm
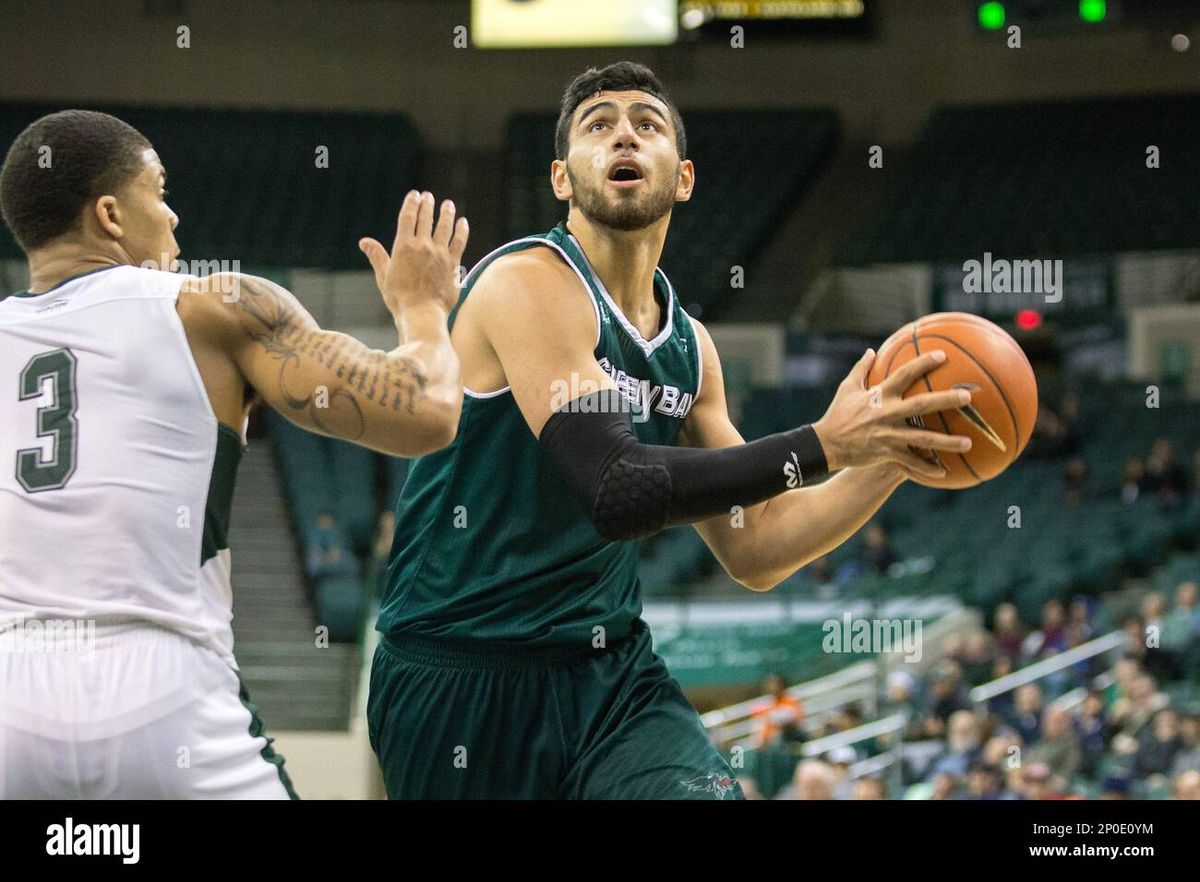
column 291, row 337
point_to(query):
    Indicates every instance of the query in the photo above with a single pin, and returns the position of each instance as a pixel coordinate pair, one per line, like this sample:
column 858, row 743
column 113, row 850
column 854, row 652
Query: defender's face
column 622, row 168
column 147, row 222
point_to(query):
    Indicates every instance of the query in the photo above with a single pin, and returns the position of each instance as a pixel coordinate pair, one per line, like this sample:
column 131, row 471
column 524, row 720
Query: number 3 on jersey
column 55, row 420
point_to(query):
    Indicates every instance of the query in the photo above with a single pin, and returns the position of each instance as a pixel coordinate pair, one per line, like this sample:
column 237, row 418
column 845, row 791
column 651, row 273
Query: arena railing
column 984, row 693
column 820, row 697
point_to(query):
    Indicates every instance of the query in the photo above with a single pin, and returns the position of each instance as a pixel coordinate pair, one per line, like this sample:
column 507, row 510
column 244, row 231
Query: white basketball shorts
column 134, row 712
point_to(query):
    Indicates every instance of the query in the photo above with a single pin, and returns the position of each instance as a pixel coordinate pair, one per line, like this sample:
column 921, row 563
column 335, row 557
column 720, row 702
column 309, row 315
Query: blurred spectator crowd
column 1117, row 726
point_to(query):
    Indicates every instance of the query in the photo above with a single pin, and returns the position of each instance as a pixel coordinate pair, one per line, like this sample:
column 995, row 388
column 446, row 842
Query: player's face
column 146, row 221
column 622, row 168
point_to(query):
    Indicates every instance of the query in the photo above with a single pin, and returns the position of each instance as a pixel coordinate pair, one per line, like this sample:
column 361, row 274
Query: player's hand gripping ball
column 981, row 357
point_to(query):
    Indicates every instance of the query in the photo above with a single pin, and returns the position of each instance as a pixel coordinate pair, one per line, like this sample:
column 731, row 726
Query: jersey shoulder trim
column 68, row 280
column 647, row 346
column 509, row 248
column 699, row 355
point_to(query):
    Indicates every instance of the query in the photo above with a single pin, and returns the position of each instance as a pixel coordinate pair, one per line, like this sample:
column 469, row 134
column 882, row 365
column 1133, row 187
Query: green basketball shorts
column 451, row 719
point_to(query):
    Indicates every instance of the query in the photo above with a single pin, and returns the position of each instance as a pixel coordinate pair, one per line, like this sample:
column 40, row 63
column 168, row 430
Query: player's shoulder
column 534, row 263
column 226, row 287
column 698, row 328
column 703, row 339
column 712, row 382
column 222, row 302
column 535, row 278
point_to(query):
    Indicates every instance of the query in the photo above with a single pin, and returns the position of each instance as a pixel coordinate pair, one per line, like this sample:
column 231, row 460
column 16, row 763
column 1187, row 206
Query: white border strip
column 699, row 353
column 646, row 346
column 482, row 264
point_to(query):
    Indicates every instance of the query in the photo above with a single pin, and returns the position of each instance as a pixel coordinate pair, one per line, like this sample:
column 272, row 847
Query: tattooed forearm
column 396, row 383
column 353, row 380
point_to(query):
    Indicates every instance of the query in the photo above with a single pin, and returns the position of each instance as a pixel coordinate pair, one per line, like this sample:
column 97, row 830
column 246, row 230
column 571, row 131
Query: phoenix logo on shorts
column 714, row 782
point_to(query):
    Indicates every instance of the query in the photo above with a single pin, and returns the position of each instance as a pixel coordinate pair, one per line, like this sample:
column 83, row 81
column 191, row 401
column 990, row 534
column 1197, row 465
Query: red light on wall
column 1028, row 319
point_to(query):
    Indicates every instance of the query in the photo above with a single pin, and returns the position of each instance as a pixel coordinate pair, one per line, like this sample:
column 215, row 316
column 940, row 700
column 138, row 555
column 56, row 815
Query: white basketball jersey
column 115, row 476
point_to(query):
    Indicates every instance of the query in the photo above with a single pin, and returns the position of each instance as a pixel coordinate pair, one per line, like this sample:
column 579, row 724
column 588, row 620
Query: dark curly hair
column 622, row 76
column 42, row 192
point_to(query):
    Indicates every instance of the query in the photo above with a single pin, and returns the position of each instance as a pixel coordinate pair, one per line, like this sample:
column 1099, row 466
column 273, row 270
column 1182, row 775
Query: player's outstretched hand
column 864, row 426
column 423, row 266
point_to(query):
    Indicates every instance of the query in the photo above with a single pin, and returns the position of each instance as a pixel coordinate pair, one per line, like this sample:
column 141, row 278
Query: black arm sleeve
column 631, row 490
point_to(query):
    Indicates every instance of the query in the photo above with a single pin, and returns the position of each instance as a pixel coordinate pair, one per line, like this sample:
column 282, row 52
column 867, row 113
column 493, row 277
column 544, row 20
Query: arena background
column 846, row 171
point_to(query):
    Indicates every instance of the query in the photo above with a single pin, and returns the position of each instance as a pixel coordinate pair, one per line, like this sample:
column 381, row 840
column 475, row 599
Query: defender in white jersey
column 123, row 397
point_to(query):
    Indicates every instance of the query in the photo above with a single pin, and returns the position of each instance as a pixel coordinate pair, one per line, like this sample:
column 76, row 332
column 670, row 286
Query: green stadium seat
column 246, row 184
column 1023, row 179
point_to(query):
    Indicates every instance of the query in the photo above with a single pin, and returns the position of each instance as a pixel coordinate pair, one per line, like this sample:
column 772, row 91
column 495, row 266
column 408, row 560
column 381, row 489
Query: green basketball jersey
column 490, row 544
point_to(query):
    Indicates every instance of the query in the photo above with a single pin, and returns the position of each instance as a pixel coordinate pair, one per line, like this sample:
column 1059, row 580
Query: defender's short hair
column 42, row 192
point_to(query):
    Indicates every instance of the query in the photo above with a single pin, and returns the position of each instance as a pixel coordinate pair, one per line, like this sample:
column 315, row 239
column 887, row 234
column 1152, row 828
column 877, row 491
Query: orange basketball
column 982, row 357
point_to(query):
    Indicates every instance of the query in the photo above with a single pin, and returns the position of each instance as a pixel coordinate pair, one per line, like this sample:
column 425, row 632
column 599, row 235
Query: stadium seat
column 251, row 184
column 1058, row 177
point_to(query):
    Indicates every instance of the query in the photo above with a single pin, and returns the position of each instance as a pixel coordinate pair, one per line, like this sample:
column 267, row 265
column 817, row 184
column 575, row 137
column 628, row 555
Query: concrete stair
column 295, row 684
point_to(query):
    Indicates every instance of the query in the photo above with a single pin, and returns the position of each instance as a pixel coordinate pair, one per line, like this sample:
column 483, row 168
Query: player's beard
column 622, row 210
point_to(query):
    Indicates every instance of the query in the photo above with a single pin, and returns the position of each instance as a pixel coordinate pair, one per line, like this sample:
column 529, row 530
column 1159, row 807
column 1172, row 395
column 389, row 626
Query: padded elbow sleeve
column 631, row 490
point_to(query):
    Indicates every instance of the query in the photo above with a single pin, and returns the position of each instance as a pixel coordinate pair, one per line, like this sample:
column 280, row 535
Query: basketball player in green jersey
column 513, row 661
